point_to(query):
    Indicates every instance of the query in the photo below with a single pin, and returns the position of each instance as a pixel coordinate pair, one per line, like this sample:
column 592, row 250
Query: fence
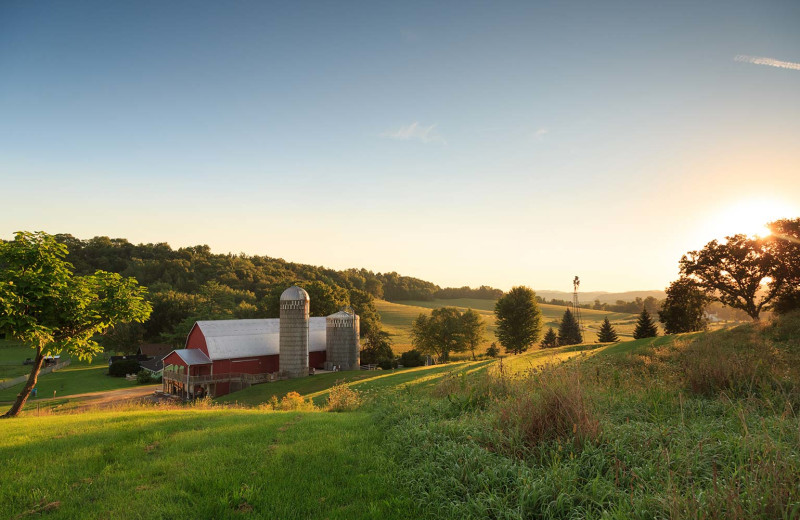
column 8, row 383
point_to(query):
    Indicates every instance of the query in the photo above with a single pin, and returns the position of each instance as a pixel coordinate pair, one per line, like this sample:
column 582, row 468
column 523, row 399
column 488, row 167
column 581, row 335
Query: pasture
column 398, row 317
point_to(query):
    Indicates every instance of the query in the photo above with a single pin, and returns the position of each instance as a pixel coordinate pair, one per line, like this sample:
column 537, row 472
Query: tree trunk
column 26, row 390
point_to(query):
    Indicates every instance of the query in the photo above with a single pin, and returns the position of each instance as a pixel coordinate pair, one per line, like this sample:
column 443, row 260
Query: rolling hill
column 398, row 317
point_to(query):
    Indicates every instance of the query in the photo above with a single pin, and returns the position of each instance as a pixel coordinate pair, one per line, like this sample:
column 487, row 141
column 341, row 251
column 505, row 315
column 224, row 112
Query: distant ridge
column 603, row 296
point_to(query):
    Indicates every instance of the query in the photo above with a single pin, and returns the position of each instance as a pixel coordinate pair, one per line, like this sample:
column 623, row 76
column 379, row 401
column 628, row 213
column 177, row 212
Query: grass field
column 198, row 464
column 77, row 378
column 701, row 425
column 12, row 354
column 398, row 317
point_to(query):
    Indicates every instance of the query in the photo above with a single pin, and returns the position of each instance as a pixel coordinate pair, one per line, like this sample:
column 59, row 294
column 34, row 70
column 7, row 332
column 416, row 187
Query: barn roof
column 193, row 356
column 227, row 339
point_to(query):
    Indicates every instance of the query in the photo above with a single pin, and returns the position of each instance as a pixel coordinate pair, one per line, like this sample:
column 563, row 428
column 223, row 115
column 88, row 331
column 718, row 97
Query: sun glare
column 749, row 217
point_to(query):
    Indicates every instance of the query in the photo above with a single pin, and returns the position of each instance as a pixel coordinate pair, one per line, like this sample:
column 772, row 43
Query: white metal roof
column 227, row 339
column 193, row 356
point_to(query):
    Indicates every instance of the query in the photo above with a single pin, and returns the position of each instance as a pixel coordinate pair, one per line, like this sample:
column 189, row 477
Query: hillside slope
column 397, row 318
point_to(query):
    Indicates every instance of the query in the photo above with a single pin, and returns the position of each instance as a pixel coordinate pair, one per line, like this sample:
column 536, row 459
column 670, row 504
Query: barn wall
column 174, row 359
column 317, row 359
column 197, row 340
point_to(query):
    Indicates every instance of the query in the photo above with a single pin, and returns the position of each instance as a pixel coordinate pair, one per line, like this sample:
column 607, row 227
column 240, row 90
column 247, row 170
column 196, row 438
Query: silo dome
column 295, row 293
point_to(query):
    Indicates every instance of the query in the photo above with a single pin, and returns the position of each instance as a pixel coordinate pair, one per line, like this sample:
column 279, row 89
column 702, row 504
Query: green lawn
column 397, row 318
column 77, row 378
column 12, row 354
column 168, row 464
column 316, row 387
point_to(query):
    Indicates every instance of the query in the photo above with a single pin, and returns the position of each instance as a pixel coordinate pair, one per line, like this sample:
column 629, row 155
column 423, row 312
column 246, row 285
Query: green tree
column 377, row 347
column 364, row 305
column 569, row 331
column 550, row 339
column 492, row 351
column 43, row 303
column 473, row 327
column 519, row 320
column 742, row 272
column 785, row 244
column 440, row 333
column 684, row 308
column 645, row 326
column 607, row 334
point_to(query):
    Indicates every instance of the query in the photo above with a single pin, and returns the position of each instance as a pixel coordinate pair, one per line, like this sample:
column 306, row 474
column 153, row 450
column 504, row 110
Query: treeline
column 192, row 283
column 631, row 307
column 484, row 292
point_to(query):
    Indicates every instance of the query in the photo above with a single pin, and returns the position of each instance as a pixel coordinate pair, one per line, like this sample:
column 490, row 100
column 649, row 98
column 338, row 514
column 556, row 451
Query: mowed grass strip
column 207, row 463
column 317, row 387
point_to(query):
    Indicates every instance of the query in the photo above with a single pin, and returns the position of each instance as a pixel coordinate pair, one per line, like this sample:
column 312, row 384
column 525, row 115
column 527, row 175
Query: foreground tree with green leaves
column 684, row 308
column 44, row 304
column 519, row 320
column 473, row 329
column 742, row 272
column 440, row 333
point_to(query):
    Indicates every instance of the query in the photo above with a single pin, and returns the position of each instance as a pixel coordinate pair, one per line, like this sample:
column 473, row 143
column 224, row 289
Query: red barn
column 223, row 356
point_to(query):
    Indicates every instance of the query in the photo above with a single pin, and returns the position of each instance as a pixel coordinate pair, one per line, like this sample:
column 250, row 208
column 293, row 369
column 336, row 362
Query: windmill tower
column 576, row 310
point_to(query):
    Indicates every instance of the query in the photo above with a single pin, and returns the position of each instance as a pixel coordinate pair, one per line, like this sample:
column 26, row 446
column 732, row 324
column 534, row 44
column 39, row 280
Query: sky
column 465, row 143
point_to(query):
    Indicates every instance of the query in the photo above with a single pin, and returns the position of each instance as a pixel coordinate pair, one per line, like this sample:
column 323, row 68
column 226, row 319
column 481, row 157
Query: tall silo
column 294, row 332
column 341, row 340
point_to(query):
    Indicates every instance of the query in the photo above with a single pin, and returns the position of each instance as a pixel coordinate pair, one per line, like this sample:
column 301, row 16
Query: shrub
column 387, row 364
column 291, row 402
column 739, row 362
column 547, row 405
column 492, row 351
column 123, row 367
column 342, row 398
column 412, row 358
column 143, row 377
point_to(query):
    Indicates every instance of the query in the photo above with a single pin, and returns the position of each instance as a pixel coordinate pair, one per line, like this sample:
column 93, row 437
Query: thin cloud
column 757, row 60
column 540, row 133
column 415, row 132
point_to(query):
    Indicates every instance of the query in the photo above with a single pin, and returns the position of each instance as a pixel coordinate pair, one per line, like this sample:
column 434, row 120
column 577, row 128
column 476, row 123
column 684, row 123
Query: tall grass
column 695, row 426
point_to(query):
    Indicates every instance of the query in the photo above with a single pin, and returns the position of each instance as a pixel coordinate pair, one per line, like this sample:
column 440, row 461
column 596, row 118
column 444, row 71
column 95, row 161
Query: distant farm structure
column 223, row 356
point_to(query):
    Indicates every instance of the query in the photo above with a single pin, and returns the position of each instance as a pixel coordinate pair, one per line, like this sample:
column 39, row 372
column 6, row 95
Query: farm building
column 222, row 356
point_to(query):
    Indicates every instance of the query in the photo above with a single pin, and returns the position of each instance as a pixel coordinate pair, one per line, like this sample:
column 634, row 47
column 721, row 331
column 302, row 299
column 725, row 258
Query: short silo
column 341, row 340
column 294, row 332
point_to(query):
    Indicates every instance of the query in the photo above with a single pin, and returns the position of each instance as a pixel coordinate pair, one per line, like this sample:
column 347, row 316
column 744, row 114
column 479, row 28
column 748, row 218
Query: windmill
column 576, row 310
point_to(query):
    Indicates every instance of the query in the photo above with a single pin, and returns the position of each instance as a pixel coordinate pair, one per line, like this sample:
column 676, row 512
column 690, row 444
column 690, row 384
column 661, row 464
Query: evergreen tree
column 569, row 332
column 645, row 327
column 550, row 339
column 492, row 351
column 607, row 333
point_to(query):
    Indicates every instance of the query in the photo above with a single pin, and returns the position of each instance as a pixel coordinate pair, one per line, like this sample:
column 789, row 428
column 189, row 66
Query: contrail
column 757, row 60
column 787, row 238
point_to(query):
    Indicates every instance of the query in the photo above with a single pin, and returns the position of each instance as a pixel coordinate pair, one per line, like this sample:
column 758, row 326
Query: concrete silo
column 294, row 332
column 341, row 340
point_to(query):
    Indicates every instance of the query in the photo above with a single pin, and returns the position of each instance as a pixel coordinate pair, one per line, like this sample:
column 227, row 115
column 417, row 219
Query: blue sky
column 464, row 143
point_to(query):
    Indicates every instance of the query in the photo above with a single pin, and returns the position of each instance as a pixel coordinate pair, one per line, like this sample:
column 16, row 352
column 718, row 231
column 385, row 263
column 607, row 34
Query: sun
column 749, row 217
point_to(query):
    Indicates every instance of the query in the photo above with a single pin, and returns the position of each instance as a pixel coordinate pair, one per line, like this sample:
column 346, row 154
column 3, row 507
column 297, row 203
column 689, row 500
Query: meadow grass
column 208, row 463
column 621, row 433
